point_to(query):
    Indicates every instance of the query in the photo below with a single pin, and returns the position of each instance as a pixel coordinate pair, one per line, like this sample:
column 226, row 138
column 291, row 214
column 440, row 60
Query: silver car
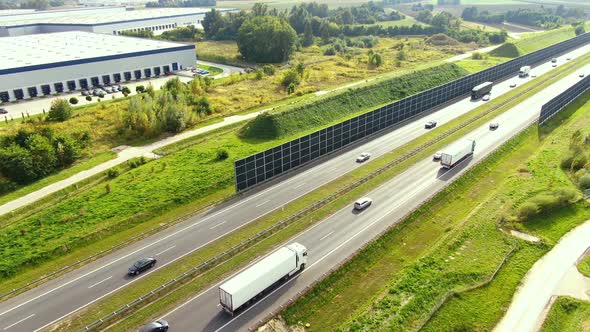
column 362, row 203
column 363, row 157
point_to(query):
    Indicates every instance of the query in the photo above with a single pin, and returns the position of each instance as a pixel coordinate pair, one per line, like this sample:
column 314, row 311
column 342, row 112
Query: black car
column 3, row 111
column 430, row 124
column 157, row 326
column 142, row 265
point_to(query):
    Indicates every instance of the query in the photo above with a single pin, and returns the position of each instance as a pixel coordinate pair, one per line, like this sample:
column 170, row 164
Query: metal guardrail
column 168, row 286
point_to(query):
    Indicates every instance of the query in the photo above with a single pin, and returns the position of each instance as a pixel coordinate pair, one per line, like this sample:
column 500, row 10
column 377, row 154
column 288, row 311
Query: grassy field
column 285, row 4
column 568, row 315
column 473, row 66
column 465, row 256
column 212, row 70
column 540, row 40
column 584, row 266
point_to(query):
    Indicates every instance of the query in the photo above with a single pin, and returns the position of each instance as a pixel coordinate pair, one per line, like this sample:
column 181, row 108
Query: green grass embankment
column 451, row 245
column 272, row 125
column 508, row 50
column 567, row 315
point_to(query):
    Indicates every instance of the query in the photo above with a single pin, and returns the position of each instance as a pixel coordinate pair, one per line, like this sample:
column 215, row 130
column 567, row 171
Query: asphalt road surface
column 333, row 239
column 58, row 298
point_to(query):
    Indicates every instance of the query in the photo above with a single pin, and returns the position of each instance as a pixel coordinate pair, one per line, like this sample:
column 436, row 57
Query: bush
column 140, row 89
column 88, row 98
column 259, row 74
column 527, row 210
column 477, row 56
column 222, row 154
column 330, row 51
column 60, row 110
column 584, row 182
column 290, row 77
column 112, row 173
column 73, row 100
column 566, row 162
column 101, row 95
column 268, row 70
column 126, row 90
column 579, row 162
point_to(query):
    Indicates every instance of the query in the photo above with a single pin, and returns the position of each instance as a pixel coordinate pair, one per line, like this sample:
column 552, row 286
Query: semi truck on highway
column 247, row 285
column 481, row 90
column 524, row 71
column 457, row 152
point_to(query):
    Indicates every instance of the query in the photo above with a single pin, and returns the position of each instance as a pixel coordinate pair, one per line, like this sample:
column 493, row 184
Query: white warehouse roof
column 44, row 49
column 97, row 18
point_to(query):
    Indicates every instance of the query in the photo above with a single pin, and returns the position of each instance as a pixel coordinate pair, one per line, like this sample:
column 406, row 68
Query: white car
column 533, row 75
column 494, row 125
column 582, row 75
column 513, row 85
column 362, row 203
column 554, row 65
column 363, row 157
column 437, row 156
column 486, row 97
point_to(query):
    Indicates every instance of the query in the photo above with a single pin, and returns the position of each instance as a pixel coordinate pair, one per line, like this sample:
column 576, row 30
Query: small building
column 45, row 64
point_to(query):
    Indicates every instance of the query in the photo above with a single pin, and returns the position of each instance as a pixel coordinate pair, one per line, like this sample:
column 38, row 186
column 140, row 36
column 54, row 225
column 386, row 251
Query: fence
column 265, row 165
column 555, row 105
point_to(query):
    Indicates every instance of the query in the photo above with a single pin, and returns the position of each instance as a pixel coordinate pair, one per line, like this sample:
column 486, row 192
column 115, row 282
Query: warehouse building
column 38, row 65
column 108, row 20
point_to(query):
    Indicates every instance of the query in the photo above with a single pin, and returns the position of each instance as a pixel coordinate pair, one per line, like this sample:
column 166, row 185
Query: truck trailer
column 480, row 90
column 457, row 152
column 524, row 71
column 247, row 285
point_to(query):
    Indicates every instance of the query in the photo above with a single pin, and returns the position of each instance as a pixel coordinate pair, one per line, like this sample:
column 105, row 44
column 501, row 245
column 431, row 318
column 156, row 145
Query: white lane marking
column 221, row 223
column 261, row 204
column 299, row 185
column 100, row 282
column 329, row 253
column 163, row 251
column 325, row 236
column 20, row 321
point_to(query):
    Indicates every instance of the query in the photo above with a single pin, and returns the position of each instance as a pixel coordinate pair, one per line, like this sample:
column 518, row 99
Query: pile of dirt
column 440, row 39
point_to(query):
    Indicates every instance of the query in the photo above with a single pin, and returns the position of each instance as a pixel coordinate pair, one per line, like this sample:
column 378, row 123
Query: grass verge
column 567, row 315
column 145, row 285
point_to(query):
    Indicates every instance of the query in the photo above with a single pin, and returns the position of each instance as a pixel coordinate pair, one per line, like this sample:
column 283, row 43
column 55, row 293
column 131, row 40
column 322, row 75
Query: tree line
column 543, row 17
column 181, row 3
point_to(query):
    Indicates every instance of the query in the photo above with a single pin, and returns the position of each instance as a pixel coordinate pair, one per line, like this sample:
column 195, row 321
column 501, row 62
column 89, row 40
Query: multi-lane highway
column 71, row 292
column 332, row 240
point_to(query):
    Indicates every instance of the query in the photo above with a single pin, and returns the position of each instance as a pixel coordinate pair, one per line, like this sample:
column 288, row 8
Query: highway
column 335, row 238
column 58, row 298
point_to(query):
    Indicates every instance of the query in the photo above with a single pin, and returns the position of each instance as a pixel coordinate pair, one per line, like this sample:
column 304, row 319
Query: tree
column 470, row 13
column 212, row 23
column 290, row 77
column 60, row 110
column 16, row 163
column 307, row 34
column 260, row 9
column 347, row 17
column 425, row 16
column 66, row 149
column 43, row 158
column 579, row 28
column 266, row 39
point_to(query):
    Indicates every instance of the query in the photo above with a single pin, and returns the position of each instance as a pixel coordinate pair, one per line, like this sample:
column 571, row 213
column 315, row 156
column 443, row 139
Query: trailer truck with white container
column 247, row 285
column 524, row 71
column 457, row 152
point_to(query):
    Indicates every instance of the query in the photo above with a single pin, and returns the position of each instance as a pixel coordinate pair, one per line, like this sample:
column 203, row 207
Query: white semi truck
column 456, row 153
column 253, row 281
column 524, row 71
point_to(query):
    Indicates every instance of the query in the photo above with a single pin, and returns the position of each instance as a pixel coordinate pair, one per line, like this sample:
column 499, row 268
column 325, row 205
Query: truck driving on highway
column 247, row 285
column 481, row 90
column 457, row 152
column 524, row 71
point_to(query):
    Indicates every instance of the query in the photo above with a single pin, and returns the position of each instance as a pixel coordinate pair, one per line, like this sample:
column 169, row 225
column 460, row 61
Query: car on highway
column 486, row 97
column 494, row 125
column 437, row 156
column 430, row 124
column 513, row 85
column 582, row 75
column 157, row 326
column 568, row 59
column 533, row 75
column 363, row 157
column 554, row 65
column 3, row 111
column 554, row 60
column 362, row 203
column 142, row 265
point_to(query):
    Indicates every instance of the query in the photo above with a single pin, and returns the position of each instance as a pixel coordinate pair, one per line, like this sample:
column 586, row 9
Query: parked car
column 96, row 92
column 115, row 88
column 362, row 203
column 430, row 124
column 513, row 85
column 437, row 156
column 3, row 111
column 486, row 97
column 108, row 89
column 157, row 326
column 363, row 157
column 494, row 125
column 86, row 93
column 142, row 265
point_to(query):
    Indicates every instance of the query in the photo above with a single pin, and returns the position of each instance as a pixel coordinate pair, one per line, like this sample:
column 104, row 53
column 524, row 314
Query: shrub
column 140, row 89
column 60, row 110
column 291, row 88
column 113, row 173
column 527, row 210
column 476, row 56
column 101, row 95
column 584, row 182
column 126, row 90
column 222, row 154
column 268, row 70
column 88, row 98
column 73, row 100
column 290, row 77
column 579, row 162
column 330, row 51
column 259, row 74
column 566, row 162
